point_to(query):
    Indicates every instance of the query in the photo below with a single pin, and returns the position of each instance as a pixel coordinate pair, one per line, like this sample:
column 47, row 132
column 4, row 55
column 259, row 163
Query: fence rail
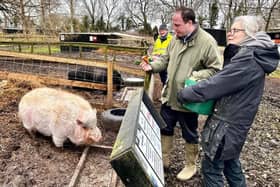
column 80, row 45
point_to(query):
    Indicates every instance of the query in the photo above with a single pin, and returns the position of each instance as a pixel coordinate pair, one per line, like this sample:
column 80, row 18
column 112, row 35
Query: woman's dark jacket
column 237, row 89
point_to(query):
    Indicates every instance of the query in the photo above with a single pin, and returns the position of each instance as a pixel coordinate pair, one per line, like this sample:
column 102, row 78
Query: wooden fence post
column 70, row 48
column 109, row 80
column 110, row 84
column 32, row 48
column 80, row 51
column 49, row 49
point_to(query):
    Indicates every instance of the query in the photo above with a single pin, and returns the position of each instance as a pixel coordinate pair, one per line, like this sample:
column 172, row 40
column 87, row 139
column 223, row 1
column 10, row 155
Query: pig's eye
column 79, row 123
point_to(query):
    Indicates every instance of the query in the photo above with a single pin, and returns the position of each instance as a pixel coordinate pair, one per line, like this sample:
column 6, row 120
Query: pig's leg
column 30, row 129
column 26, row 117
column 31, row 132
column 58, row 142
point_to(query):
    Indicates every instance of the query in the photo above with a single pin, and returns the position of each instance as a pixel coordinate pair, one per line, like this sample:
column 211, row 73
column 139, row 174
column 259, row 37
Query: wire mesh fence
column 58, row 70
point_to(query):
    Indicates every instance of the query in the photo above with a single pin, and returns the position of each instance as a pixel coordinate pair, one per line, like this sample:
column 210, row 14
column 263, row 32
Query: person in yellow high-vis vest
column 160, row 46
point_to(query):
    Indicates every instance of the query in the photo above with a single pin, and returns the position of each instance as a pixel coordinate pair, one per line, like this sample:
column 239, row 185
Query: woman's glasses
column 234, row 30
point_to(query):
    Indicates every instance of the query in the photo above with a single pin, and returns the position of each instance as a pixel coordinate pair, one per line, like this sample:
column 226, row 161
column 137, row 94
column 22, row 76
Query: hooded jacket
column 238, row 90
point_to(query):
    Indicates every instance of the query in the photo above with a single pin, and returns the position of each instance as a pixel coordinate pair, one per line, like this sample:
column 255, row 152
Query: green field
column 42, row 49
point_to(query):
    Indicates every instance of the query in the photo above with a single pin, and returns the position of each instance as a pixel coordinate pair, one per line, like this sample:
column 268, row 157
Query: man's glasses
column 234, row 30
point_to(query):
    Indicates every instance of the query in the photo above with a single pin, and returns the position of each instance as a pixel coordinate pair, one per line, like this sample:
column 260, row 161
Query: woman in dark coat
column 237, row 89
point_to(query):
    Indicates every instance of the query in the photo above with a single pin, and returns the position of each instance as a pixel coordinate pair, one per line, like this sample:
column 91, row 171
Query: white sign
column 149, row 144
column 150, row 134
column 62, row 37
column 150, row 119
column 147, row 153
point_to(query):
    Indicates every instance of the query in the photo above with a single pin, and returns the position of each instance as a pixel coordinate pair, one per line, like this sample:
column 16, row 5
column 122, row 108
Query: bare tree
column 91, row 6
column 7, row 11
column 43, row 14
column 213, row 16
column 110, row 7
column 164, row 13
column 272, row 7
column 71, row 5
column 175, row 3
column 141, row 12
column 200, row 7
column 233, row 8
column 52, row 15
column 72, row 2
column 27, row 13
column 14, row 11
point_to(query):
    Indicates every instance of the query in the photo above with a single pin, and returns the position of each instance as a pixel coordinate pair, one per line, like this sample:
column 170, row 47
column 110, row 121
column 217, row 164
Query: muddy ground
column 25, row 161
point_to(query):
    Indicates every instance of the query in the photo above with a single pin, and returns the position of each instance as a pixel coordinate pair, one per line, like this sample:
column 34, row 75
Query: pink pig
column 59, row 114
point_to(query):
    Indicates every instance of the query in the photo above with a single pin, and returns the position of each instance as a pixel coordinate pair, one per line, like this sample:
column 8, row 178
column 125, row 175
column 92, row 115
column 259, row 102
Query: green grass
column 275, row 74
column 41, row 49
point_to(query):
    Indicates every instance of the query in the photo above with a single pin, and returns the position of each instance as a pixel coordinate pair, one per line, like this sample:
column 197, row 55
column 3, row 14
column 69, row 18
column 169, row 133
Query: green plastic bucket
column 205, row 108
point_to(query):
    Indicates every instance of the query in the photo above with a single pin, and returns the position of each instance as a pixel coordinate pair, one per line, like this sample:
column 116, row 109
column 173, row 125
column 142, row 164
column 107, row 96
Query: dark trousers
column 212, row 172
column 187, row 120
column 163, row 76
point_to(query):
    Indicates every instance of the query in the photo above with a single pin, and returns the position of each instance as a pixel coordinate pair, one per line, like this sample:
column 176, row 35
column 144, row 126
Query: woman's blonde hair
column 251, row 24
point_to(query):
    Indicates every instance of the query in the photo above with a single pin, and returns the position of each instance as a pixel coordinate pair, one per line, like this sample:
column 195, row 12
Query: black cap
column 163, row 27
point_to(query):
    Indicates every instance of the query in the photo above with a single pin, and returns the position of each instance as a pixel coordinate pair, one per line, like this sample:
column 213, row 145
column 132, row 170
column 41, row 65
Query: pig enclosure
column 37, row 162
column 97, row 170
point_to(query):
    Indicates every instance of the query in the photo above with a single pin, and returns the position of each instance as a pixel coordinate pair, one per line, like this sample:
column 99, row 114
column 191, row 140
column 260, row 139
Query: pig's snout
column 94, row 135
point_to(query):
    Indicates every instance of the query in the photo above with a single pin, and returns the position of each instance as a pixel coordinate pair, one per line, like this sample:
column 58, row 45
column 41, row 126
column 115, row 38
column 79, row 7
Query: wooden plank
column 102, row 146
column 100, row 64
column 78, row 168
column 78, row 44
column 132, row 71
column 109, row 84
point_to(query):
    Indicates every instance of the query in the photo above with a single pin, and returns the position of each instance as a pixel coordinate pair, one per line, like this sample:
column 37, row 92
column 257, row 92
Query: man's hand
column 145, row 66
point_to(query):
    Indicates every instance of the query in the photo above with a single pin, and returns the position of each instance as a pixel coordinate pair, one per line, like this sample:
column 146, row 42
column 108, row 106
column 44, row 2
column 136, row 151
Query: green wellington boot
column 190, row 167
column 167, row 144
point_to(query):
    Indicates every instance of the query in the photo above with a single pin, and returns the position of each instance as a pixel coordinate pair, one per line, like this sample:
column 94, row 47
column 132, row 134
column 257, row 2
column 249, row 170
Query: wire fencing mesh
column 58, row 70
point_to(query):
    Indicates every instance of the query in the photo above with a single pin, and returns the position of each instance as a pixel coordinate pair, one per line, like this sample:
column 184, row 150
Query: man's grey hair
column 251, row 24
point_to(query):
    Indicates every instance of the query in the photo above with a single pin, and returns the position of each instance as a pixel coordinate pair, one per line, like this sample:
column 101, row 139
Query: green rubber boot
column 167, row 144
column 190, row 167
